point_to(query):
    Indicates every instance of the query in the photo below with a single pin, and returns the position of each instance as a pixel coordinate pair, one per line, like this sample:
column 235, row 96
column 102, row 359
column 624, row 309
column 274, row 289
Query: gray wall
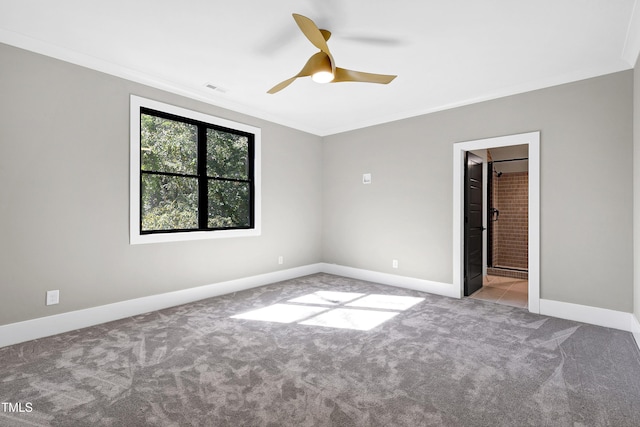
column 406, row 213
column 64, row 196
column 64, row 159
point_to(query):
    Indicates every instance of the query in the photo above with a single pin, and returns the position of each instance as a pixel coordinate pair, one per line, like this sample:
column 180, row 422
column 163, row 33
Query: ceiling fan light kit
column 322, row 70
column 322, row 77
column 321, row 67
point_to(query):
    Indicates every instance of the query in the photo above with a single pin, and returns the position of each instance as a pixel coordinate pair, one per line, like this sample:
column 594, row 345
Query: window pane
column 167, row 145
column 227, row 155
column 229, row 204
column 169, row 202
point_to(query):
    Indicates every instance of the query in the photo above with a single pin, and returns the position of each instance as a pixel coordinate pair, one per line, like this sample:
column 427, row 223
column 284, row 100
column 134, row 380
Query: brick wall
column 511, row 231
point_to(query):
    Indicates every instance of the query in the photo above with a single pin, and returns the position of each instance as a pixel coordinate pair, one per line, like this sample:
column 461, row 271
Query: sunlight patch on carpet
column 281, row 313
column 344, row 318
column 327, row 297
column 332, row 309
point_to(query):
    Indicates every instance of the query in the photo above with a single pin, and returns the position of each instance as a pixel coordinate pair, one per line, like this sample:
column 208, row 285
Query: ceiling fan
column 321, row 67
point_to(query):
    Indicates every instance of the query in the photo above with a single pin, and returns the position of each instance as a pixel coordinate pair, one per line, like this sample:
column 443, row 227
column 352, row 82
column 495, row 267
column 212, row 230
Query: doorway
column 532, row 140
column 507, row 196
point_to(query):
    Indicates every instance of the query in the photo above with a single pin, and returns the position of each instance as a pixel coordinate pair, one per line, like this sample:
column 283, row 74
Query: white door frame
column 532, row 139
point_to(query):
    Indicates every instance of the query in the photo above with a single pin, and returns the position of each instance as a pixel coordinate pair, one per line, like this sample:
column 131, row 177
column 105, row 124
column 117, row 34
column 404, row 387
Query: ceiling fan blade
column 314, row 63
column 316, row 36
column 311, row 32
column 282, row 85
column 326, row 34
column 344, row 75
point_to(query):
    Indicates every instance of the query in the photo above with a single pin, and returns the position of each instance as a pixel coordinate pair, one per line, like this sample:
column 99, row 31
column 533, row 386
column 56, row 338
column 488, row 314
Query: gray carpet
column 440, row 361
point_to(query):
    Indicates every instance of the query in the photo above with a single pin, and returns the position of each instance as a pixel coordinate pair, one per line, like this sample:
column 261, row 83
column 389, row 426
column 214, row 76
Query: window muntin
column 197, row 176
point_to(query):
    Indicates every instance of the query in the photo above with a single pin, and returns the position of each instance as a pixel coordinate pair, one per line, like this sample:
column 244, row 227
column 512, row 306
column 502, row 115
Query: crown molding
column 629, row 56
column 87, row 61
column 531, row 86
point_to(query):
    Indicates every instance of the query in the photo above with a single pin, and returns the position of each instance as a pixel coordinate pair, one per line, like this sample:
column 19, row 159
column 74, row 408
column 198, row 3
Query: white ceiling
column 446, row 53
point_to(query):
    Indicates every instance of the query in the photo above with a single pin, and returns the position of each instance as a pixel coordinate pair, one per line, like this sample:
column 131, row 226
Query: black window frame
column 202, row 177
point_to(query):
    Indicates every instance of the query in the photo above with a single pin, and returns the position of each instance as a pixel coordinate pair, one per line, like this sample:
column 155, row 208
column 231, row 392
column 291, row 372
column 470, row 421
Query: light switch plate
column 366, row 178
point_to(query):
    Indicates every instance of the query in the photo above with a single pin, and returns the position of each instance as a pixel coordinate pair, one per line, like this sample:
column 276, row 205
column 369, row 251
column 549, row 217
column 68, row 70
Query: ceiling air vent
column 215, row 88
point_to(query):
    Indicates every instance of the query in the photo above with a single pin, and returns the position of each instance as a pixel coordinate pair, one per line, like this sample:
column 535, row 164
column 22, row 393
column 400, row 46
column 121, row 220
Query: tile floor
column 504, row 290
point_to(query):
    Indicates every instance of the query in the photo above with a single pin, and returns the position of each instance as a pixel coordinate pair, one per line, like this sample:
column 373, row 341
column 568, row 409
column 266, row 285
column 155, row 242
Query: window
column 193, row 176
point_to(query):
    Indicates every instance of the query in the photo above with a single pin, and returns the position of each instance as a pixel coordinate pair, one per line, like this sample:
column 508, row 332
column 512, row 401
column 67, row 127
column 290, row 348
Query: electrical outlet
column 394, row 263
column 280, row 259
column 53, row 297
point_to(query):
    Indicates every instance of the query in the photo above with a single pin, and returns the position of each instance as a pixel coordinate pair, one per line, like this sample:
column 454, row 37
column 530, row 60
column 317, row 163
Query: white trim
column 438, row 288
column 532, row 139
column 134, row 174
column 534, row 223
column 635, row 329
column 586, row 314
column 531, row 86
column 27, row 330
column 88, row 61
column 212, row 98
column 485, row 219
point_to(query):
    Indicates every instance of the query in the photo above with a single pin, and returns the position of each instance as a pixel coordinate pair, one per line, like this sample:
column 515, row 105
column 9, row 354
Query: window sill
column 141, row 239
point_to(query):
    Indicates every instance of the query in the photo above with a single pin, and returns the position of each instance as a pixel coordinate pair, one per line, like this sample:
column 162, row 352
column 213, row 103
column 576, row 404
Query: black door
column 472, row 224
column 492, row 214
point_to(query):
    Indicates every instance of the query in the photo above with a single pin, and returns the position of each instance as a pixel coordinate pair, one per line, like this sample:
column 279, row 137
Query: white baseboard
column 15, row 333
column 438, row 288
column 587, row 314
column 635, row 329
